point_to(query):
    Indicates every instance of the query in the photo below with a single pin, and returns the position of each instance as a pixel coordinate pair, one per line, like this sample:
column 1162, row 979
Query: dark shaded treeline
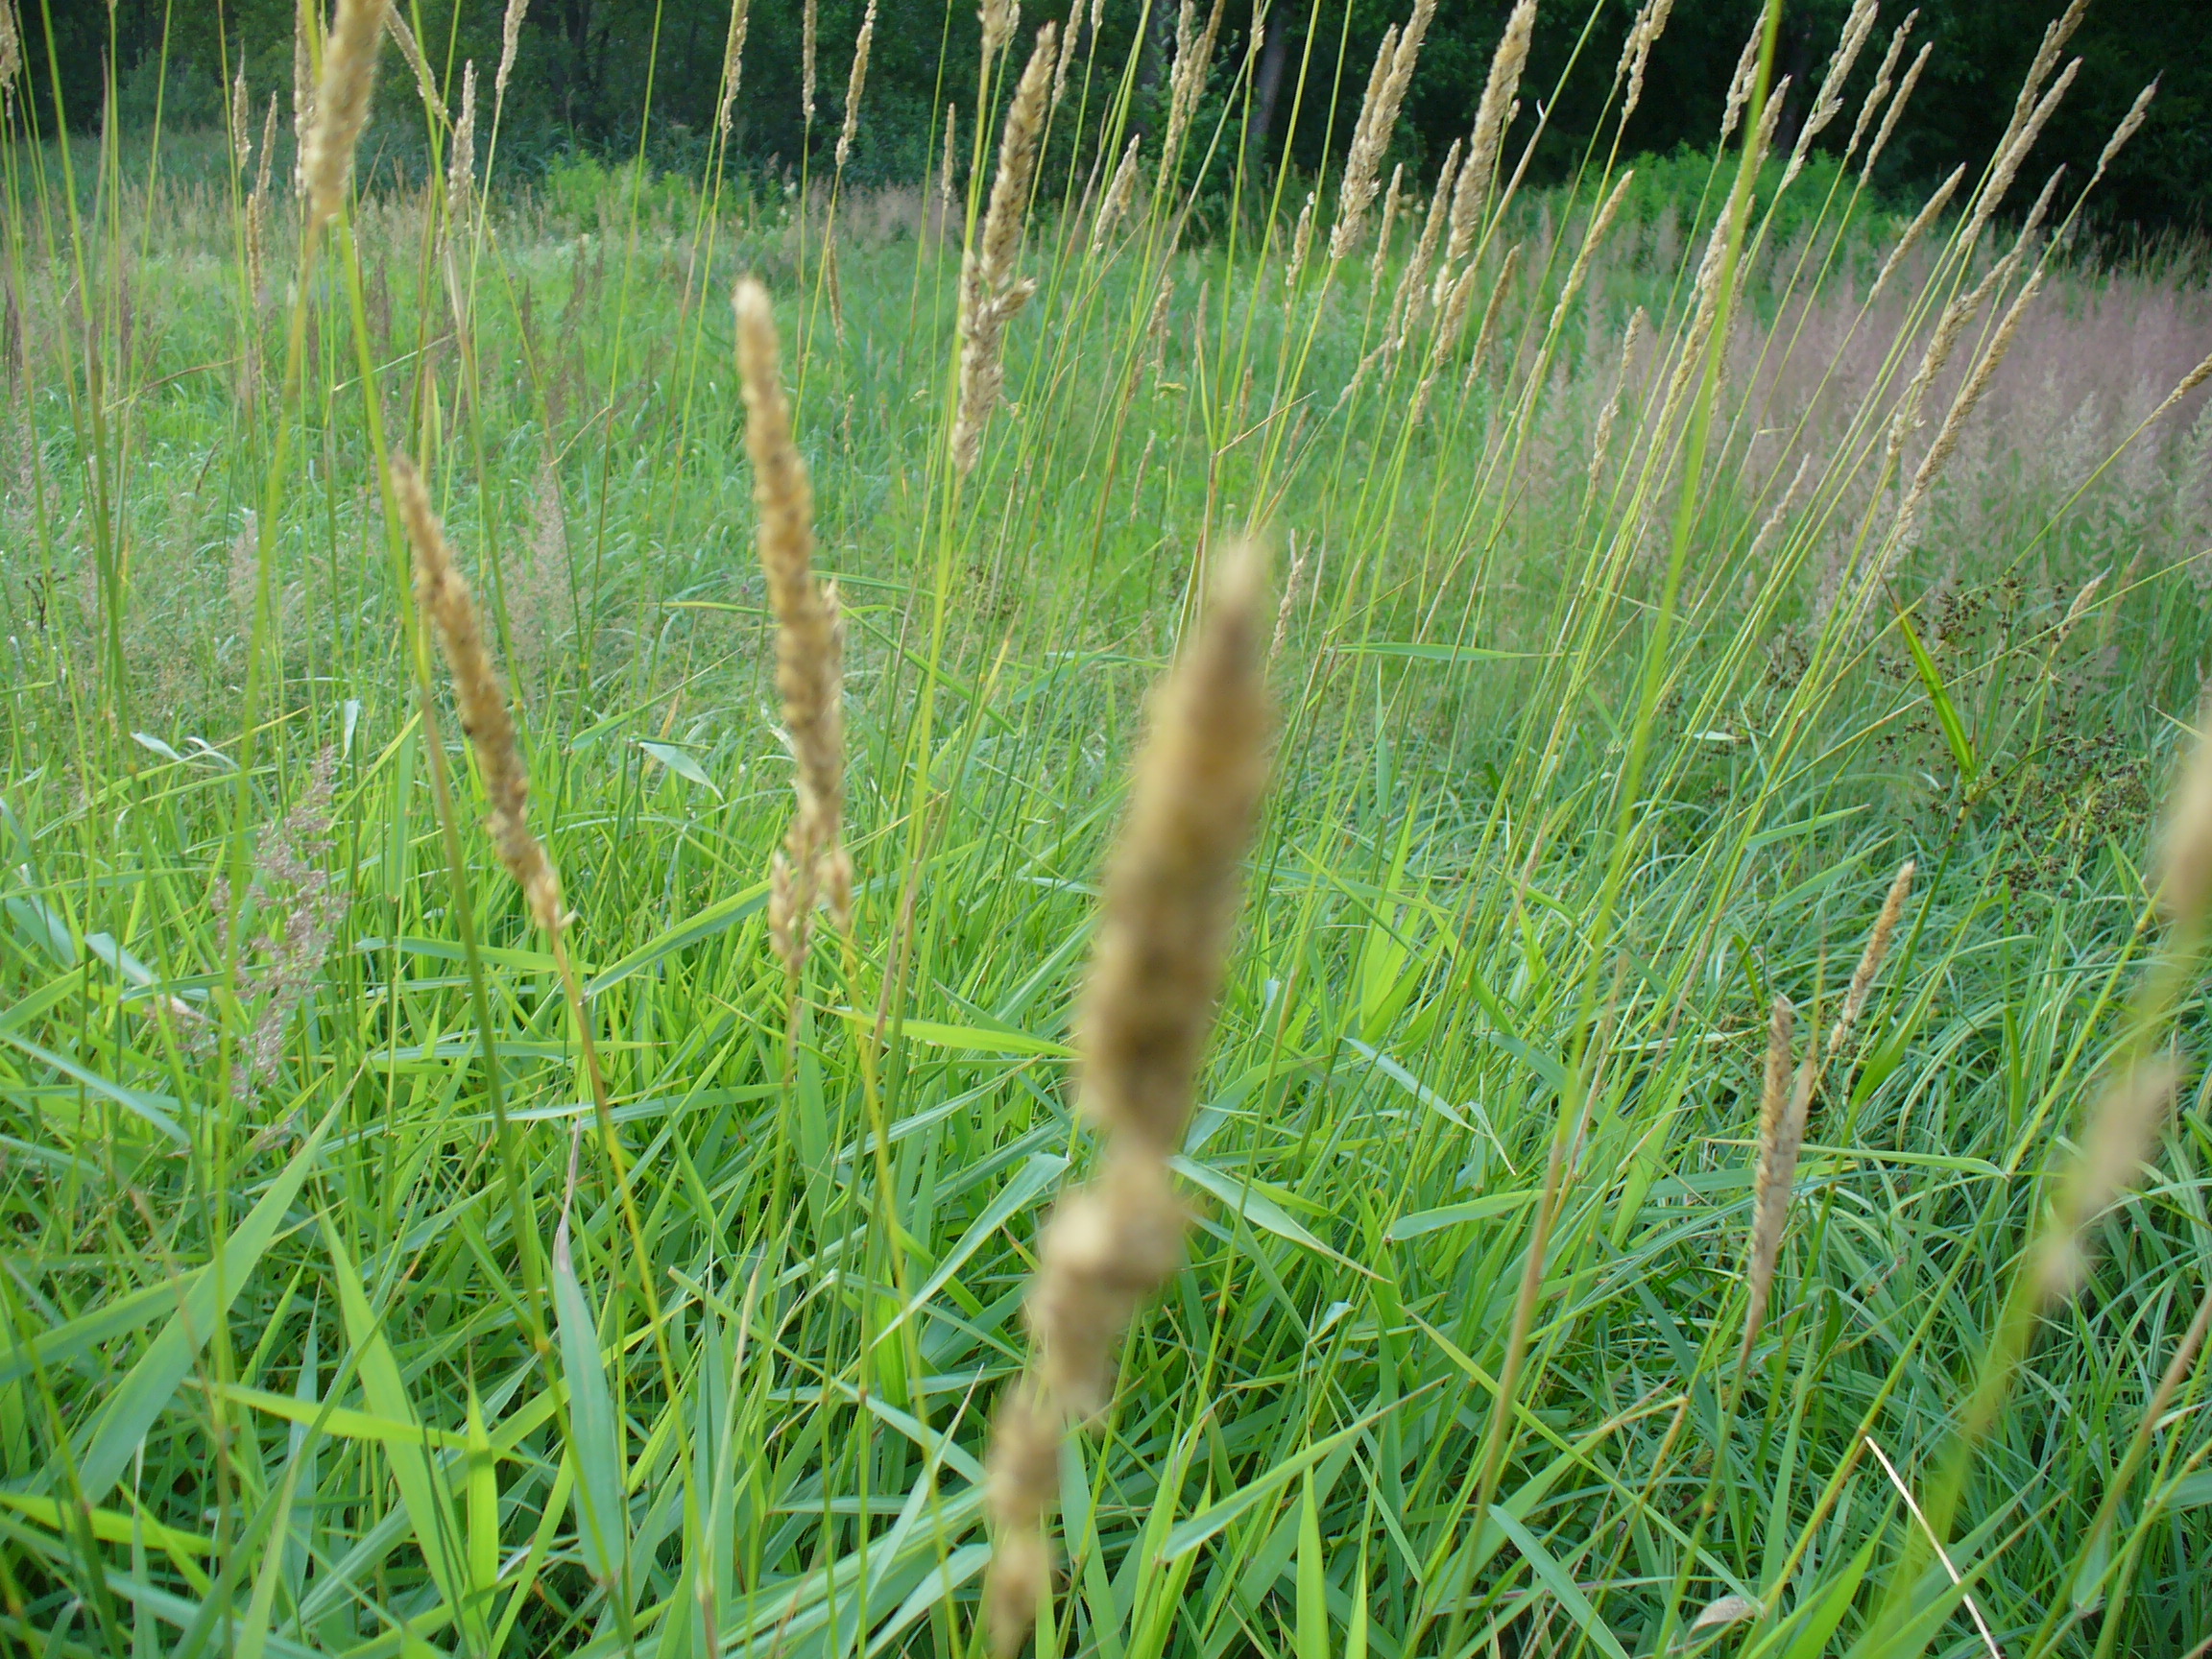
column 590, row 69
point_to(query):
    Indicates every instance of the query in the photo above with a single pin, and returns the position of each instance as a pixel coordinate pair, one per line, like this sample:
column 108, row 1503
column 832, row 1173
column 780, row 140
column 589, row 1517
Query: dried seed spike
column 1393, row 200
column 1193, row 54
column 1896, row 111
column 1490, row 118
column 990, row 296
column 1927, row 216
column 808, row 27
column 1301, row 243
column 303, row 97
column 1870, row 959
column 1069, row 32
column 1740, row 81
column 1506, row 269
column 1880, row 90
column 1412, row 280
column 442, row 593
column 426, row 85
column 1782, row 1107
column 241, row 116
column 946, row 170
column 342, row 104
column 1169, row 903
column 1600, row 222
column 1955, row 420
column 854, row 85
column 809, row 641
column 510, row 42
column 1828, row 102
column 732, row 67
column 2138, row 113
column 998, row 19
column 1171, row 890
column 10, row 50
column 461, row 166
column 1386, row 84
column 2114, row 1142
column 1636, row 53
column 1118, row 194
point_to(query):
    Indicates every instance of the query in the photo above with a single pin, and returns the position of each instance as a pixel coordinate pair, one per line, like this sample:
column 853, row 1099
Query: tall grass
column 400, row 1261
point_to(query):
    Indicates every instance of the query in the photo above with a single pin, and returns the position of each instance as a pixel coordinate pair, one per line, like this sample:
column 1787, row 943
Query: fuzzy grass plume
column 1170, row 903
column 990, row 295
column 341, row 107
column 810, row 645
column 443, row 594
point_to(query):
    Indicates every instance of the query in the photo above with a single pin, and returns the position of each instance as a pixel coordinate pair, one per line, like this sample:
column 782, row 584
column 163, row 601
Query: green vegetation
column 1643, row 608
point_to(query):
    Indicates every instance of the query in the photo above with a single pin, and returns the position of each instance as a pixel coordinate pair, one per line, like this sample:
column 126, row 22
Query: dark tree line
column 594, row 75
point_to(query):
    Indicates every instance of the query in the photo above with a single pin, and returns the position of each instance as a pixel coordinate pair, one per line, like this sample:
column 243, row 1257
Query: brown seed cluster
column 810, row 645
column 990, row 296
column 442, row 593
column 1386, row 83
column 341, row 108
column 1165, row 920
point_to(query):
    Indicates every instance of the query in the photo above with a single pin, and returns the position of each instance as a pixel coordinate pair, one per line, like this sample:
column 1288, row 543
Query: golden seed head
column 1490, row 118
column 1165, row 915
column 2185, row 842
column 442, row 595
column 809, row 22
column 241, row 113
column 1172, row 890
column 1896, row 111
column 410, row 49
column 1386, row 84
column 510, row 42
column 1870, row 959
column 2138, row 113
column 809, row 641
column 1782, row 1109
column 461, row 165
column 1118, row 194
column 1883, row 82
column 342, row 104
column 854, row 82
column 990, row 296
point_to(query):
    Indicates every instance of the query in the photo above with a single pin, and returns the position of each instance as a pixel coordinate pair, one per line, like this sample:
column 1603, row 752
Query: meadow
column 1628, row 1214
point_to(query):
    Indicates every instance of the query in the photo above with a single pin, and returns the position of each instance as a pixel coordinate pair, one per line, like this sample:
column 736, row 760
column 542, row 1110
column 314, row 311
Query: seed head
column 510, row 42
column 410, row 49
column 809, row 26
column 1490, row 118
column 1883, row 82
column 442, row 595
column 342, row 104
column 1115, row 207
column 854, row 82
column 1870, row 959
column 1169, row 903
column 810, row 643
column 1386, row 84
column 1896, row 111
column 1781, row 1108
column 990, row 296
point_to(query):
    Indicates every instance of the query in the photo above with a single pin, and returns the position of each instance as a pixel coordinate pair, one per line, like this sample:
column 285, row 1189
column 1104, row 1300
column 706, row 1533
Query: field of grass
column 1658, row 571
